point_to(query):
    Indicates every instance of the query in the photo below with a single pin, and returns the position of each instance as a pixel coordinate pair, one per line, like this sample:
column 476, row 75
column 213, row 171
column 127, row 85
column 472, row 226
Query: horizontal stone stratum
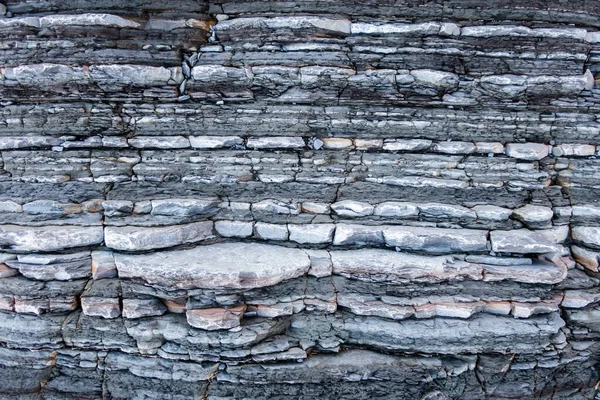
column 268, row 200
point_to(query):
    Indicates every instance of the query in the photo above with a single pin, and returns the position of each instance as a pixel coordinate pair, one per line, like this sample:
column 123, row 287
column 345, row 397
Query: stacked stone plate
column 311, row 200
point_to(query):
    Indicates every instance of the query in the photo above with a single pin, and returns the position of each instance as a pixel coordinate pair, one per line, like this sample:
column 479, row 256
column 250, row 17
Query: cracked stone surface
column 252, row 199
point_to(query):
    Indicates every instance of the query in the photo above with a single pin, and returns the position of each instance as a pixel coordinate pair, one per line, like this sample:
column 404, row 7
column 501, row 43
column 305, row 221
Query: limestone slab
column 131, row 238
column 48, row 238
column 389, row 266
column 218, row 266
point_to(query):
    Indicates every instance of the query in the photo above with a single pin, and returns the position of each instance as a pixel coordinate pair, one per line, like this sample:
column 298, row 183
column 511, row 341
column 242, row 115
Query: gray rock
column 393, row 267
column 212, row 319
column 436, row 240
column 396, row 209
column 45, row 259
column 275, row 143
column 521, row 241
column 527, row 151
column 157, row 368
column 267, row 231
column 350, row 208
column 101, row 307
column 103, row 265
column 526, row 310
column 214, row 142
column 237, row 229
column 320, row 263
column 8, row 206
column 406, row 144
column 184, row 207
column 537, row 272
column 360, row 235
column 534, row 216
column 130, row 238
column 454, row 147
column 483, row 332
column 226, row 265
column 316, row 208
column 48, row 238
column 587, row 235
column 154, row 142
column 276, row 207
column 117, row 208
column 311, row 233
column 51, row 207
column 589, row 259
column 492, row 213
column 139, row 308
column 435, row 210
column 61, row 271
column 293, row 354
column 437, row 79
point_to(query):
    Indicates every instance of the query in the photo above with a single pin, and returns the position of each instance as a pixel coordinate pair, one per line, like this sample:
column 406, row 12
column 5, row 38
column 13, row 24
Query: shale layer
column 310, row 200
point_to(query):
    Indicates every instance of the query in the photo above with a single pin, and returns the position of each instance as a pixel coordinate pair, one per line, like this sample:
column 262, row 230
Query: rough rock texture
column 254, row 199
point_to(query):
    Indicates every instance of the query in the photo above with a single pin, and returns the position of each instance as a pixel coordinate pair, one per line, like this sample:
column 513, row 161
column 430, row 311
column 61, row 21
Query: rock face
column 258, row 199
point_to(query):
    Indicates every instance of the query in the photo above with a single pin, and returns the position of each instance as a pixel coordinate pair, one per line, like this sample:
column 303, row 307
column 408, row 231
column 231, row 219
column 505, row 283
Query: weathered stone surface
column 237, row 229
column 536, row 272
column 588, row 236
column 130, row 238
column 394, row 267
column 435, row 210
column 396, row 209
column 311, row 233
column 59, row 270
column 338, row 148
column 521, row 241
column 527, row 151
column 103, row 265
column 48, row 238
column 436, row 240
column 214, row 142
column 492, row 213
column 484, row 331
column 101, row 307
column 212, row 319
column 267, row 231
column 349, row 208
column 226, row 265
column 139, row 308
column 360, row 235
column 183, row 207
column 533, row 216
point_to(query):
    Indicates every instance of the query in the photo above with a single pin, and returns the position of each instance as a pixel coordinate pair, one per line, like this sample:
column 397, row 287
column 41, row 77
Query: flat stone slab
column 588, row 235
column 218, row 266
column 480, row 333
column 390, row 266
column 48, row 238
column 537, row 272
column 521, row 241
column 133, row 238
column 436, row 240
column 212, row 319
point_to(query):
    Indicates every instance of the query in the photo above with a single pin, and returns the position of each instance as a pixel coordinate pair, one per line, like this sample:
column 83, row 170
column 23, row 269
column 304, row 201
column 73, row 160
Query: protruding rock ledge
column 219, row 266
column 212, row 319
column 48, row 238
column 132, row 238
column 390, row 266
column 371, row 265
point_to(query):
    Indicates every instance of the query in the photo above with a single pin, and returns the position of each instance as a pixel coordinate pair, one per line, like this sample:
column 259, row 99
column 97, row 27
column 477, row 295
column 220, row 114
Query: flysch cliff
column 299, row 199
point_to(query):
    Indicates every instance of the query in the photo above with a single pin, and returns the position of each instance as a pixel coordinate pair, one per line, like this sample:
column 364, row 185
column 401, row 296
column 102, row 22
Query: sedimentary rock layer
column 268, row 199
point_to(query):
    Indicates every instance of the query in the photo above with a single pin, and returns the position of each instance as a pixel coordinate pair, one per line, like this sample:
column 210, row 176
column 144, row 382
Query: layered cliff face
column 310, row 200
